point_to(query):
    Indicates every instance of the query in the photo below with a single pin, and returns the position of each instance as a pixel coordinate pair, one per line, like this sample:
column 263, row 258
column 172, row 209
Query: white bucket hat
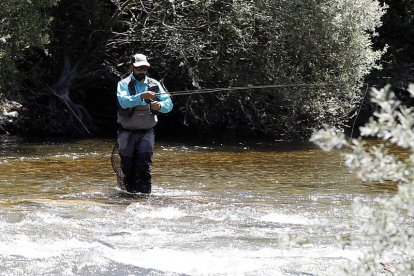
column 140, row 60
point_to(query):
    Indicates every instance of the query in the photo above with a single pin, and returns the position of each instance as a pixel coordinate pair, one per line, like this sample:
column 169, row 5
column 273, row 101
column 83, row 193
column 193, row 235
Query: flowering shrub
column 387, row 231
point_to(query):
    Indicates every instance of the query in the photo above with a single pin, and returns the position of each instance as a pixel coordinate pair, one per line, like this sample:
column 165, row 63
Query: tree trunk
column 78, row 115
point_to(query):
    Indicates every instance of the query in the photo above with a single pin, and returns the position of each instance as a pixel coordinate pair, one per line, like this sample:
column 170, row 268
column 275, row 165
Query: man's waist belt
column 140, row 131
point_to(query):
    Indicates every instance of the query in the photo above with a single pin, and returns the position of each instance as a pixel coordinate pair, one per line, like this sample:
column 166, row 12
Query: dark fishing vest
column 140, row 116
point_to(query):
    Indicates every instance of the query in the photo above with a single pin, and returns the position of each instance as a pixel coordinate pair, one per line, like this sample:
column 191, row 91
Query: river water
column 214, row 210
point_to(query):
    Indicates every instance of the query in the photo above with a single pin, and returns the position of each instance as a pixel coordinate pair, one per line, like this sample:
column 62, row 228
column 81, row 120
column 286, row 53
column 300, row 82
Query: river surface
column 214, row 210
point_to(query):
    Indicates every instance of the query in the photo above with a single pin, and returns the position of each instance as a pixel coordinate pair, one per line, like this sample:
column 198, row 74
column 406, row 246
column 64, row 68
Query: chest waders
column 136, row 143
column 141, row 116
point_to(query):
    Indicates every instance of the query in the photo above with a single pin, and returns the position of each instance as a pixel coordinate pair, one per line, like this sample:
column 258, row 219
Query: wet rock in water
column 10, row 111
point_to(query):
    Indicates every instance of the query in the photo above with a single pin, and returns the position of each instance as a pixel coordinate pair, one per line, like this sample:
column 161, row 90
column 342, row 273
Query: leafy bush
column 387, row 231
column 220, row 43
column 23, row 25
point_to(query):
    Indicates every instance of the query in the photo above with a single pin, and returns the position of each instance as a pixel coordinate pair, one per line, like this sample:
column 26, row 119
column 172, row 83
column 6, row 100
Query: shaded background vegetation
column 397, row 32
column 66, row 77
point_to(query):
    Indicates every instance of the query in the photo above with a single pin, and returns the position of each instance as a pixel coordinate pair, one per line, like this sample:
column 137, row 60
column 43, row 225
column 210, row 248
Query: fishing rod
column 250, row 87
column 115, row 158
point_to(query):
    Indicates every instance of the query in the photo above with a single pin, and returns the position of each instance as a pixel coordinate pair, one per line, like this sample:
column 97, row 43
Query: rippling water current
column 214, row 210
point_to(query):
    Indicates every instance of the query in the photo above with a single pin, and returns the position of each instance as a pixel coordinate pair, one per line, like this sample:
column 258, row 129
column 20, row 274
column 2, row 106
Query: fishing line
column 346, row 177
column 115, row 158
column 359, row 110
column 250, row 87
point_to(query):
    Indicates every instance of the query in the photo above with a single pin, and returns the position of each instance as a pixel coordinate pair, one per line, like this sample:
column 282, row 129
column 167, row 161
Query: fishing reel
column 153, row 88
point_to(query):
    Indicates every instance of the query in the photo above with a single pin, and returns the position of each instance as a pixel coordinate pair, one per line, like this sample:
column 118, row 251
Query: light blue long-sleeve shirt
column 127, row 101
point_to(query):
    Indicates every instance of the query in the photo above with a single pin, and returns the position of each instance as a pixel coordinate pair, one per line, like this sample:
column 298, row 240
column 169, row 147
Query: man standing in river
column 139, row 99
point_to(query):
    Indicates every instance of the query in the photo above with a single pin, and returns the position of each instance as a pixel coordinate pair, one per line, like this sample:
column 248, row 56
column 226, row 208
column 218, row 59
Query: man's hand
column 155, row 105
column 148, row 95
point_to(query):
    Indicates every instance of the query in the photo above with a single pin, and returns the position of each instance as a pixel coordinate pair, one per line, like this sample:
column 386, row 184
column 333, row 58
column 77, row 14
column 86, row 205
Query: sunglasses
column 141, row 68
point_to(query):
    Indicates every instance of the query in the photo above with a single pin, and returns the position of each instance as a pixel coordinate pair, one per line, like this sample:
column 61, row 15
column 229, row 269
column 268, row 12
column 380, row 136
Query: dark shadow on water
column 116, row 268
column 299, row 273
column 127, row 195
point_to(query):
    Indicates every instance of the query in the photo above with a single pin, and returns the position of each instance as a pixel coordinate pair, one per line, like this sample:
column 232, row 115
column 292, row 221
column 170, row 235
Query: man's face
column 140, row 72
column 141, row 69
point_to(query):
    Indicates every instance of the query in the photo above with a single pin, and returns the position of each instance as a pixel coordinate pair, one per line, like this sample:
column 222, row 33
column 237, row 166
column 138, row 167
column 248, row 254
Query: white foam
column 287, row 219
column 187, row 262
column 168, row 213
column 224, row 215
column 173, row 192
column 25, row 247
column 267, row 261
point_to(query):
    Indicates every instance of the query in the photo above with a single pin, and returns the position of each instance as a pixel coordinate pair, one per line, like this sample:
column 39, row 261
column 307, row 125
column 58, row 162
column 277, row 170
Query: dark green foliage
column 63, row 81
column 398, row 31
column 23, row 25
column 220, row 43
column 198, row 44
column 78, row 29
